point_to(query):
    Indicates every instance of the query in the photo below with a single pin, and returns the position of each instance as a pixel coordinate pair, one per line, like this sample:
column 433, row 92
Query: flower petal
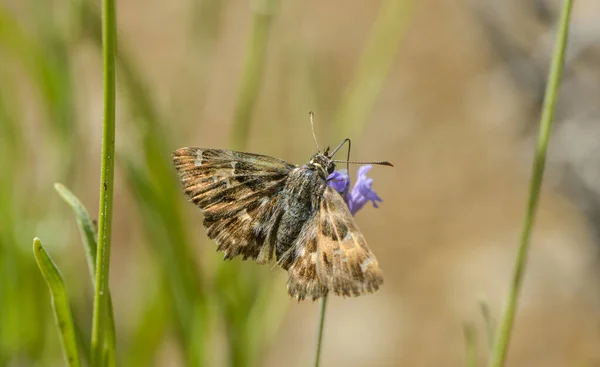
column 362, row 192
column 339, row 180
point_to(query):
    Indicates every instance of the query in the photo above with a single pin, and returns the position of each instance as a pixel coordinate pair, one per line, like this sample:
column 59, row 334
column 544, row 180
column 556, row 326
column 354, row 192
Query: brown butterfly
column 255, row 205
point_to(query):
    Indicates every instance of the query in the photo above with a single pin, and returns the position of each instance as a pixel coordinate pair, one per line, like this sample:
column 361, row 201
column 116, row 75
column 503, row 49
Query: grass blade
column 489, row 323
column 373, row 67
column 60, row 302
column 471, row 345
column 252, row 74
column 89, row 239
column 85, row 224
column 498, row 356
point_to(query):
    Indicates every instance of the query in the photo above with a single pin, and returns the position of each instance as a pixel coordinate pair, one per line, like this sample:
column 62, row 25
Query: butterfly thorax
column 322, row 164
column 299, row 200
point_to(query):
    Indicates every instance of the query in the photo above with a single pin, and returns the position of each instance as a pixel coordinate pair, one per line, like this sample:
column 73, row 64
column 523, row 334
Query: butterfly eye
column 330, row 168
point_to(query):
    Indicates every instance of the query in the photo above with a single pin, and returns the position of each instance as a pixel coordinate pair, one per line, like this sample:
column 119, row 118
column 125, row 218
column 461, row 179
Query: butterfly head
column 321, row 162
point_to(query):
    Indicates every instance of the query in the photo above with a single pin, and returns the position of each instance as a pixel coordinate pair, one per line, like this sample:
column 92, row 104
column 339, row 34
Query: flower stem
column 99, row 323
column 321, row 327
column 500, row 350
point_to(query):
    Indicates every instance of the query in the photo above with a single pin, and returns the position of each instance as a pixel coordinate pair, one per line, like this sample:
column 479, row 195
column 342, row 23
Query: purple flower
column 339, row 180
column 361, row 192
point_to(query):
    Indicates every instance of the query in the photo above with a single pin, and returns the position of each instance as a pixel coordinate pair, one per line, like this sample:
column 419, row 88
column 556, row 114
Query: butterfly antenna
column 381, row 163
column 311, row 116
column 341, row 145
column 338, row 148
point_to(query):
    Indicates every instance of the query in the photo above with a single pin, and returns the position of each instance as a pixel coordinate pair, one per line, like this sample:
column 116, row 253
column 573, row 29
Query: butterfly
column 256, row 206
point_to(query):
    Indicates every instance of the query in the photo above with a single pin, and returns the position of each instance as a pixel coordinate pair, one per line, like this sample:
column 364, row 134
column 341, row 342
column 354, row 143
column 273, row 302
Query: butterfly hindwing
column 303, row 280
column 331, row 254
column 238, row 193
column 345, row 264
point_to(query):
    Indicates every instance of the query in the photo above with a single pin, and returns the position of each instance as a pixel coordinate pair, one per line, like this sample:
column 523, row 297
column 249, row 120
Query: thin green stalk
column 489, row 323
column 321, row 328
column 99, row 323
column 471, row 345
column 374, row 65
column 500, row 350
column 60, row 303
column 253, row 68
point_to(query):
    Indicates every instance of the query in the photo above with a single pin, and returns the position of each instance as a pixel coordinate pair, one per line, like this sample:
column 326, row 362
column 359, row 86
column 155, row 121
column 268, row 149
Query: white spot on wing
column 365, row 264
column 198, row 161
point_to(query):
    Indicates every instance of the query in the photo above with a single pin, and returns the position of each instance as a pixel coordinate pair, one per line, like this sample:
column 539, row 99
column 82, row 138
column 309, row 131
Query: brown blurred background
column 457, row 114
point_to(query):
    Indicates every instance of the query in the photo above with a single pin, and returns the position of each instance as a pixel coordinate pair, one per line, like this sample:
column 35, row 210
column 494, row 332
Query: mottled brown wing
column 345, row 264
column 237, row 193
column 331, row 255
column 303, row 280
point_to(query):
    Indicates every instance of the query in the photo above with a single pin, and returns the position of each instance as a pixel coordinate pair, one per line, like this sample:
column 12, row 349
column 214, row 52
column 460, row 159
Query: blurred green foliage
column 189, row 302
column 60, row 302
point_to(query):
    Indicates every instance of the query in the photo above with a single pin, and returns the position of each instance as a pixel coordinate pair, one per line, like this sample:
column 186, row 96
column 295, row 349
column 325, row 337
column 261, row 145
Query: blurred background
column 449, row 91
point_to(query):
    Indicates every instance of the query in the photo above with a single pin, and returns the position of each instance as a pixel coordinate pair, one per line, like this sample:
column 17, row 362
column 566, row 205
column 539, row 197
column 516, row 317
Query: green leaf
column 89, row 237
column 60, row 302
column 86, row 226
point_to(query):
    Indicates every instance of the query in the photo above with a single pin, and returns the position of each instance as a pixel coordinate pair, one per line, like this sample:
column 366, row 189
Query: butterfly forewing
column 238, row 194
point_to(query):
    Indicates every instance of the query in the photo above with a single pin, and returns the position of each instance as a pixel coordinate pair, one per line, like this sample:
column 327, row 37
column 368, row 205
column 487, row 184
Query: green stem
column 500, row 350
column 321, row 327
column 254, row 64
column 99, row 324
column 373, row 67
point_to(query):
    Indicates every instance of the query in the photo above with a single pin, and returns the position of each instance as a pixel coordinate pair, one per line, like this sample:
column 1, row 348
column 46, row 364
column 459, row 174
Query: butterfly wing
column 303, row 280
column 331, row 254
column 345, row 264
column 238, row 193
